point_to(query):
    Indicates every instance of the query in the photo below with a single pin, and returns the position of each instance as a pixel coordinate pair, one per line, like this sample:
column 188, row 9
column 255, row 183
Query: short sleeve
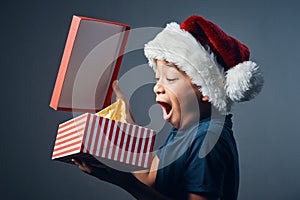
column 205, row 175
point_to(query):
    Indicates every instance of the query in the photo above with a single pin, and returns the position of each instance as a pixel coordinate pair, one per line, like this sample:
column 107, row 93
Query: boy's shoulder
column 213, row 125
column 211, row 131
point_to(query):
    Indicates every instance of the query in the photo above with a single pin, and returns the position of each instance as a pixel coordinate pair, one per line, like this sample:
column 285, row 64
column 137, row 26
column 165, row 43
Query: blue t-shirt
column 202, row 159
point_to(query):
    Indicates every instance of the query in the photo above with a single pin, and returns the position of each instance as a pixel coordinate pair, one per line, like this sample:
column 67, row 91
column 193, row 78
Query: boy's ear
column 204, row 98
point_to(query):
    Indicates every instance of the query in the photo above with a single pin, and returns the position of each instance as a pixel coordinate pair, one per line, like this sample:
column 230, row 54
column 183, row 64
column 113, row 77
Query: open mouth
column 167, row 110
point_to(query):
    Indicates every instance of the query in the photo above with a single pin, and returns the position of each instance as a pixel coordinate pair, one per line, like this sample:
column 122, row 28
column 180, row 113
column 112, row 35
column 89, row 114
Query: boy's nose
column 158, row 89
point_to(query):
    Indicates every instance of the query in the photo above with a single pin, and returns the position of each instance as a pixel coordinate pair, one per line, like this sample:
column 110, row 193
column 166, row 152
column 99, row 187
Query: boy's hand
column 103, row 172
column 120, row 95
column 81, row 165
column 100, row 170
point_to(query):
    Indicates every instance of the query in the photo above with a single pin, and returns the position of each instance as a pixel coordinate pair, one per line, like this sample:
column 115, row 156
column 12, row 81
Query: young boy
column 200, row 72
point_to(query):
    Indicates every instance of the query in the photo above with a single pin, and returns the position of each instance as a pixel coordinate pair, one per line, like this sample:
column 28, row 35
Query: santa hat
column 214, row 60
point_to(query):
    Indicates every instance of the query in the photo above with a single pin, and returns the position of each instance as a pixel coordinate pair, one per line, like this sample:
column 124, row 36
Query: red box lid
column 90, row 63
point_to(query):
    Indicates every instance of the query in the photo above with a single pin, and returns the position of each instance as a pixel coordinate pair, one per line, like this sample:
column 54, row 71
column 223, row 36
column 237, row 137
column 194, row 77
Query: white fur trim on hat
column 243, row 81
column 181, row 48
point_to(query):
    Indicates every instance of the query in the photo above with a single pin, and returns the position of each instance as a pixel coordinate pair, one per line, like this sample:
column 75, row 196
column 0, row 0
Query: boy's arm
column 192, row 196
column 148, row 177
column 125, row 180
column 137, row 184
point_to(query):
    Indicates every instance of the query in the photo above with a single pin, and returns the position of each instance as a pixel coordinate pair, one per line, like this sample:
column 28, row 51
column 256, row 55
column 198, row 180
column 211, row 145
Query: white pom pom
column 243, row 81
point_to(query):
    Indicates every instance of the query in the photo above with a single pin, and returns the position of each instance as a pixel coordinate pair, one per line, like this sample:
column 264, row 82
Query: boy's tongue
column 166, row 110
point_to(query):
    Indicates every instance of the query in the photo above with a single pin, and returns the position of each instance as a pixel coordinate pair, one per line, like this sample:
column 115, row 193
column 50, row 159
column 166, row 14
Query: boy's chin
column 174, row 123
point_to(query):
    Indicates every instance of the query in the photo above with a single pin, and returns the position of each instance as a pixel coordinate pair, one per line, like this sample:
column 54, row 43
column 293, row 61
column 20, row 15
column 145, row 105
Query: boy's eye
column 171, row 79
column 168, row 79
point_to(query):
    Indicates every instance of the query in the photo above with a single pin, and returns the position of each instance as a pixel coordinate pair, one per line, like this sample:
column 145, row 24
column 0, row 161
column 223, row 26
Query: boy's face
column 176, row 94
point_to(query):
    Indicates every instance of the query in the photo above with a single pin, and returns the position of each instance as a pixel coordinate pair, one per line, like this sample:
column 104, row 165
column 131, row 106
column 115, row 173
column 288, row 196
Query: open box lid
column 89, row 65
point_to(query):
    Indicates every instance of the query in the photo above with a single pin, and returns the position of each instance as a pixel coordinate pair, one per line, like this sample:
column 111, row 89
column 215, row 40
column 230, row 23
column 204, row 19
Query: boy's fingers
column 115, row 84
column 75, row 162
column 81, row 165
column 117, row 90
column 85, row 168
column 118, row 94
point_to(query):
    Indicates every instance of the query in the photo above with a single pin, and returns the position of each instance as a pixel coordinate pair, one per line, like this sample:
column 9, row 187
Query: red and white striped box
column 104, row 138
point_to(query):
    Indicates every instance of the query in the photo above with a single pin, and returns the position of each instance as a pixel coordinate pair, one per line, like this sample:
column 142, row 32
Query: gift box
column 90, row 135
column 90, row 63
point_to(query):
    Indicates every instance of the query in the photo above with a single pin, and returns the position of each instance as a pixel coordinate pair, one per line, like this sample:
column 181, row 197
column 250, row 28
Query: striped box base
column 89, row 135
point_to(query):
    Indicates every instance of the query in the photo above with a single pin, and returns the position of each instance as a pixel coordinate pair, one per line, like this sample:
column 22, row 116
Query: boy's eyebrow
column 171, row 64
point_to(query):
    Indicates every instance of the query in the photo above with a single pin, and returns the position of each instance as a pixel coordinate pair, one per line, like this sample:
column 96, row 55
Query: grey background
column 33, row 35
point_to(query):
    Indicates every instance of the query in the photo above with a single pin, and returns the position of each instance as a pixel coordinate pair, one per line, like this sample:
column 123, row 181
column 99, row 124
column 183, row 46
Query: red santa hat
column 214, row 60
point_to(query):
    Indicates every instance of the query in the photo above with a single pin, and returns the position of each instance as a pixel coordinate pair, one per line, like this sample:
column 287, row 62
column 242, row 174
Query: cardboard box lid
column 90, row 63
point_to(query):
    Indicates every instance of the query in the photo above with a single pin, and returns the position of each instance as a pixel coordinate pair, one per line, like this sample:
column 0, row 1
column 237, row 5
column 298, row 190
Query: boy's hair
column 214, row 60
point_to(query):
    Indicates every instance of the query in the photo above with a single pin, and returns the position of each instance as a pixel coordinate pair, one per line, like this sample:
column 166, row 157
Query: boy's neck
column 205, row 109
